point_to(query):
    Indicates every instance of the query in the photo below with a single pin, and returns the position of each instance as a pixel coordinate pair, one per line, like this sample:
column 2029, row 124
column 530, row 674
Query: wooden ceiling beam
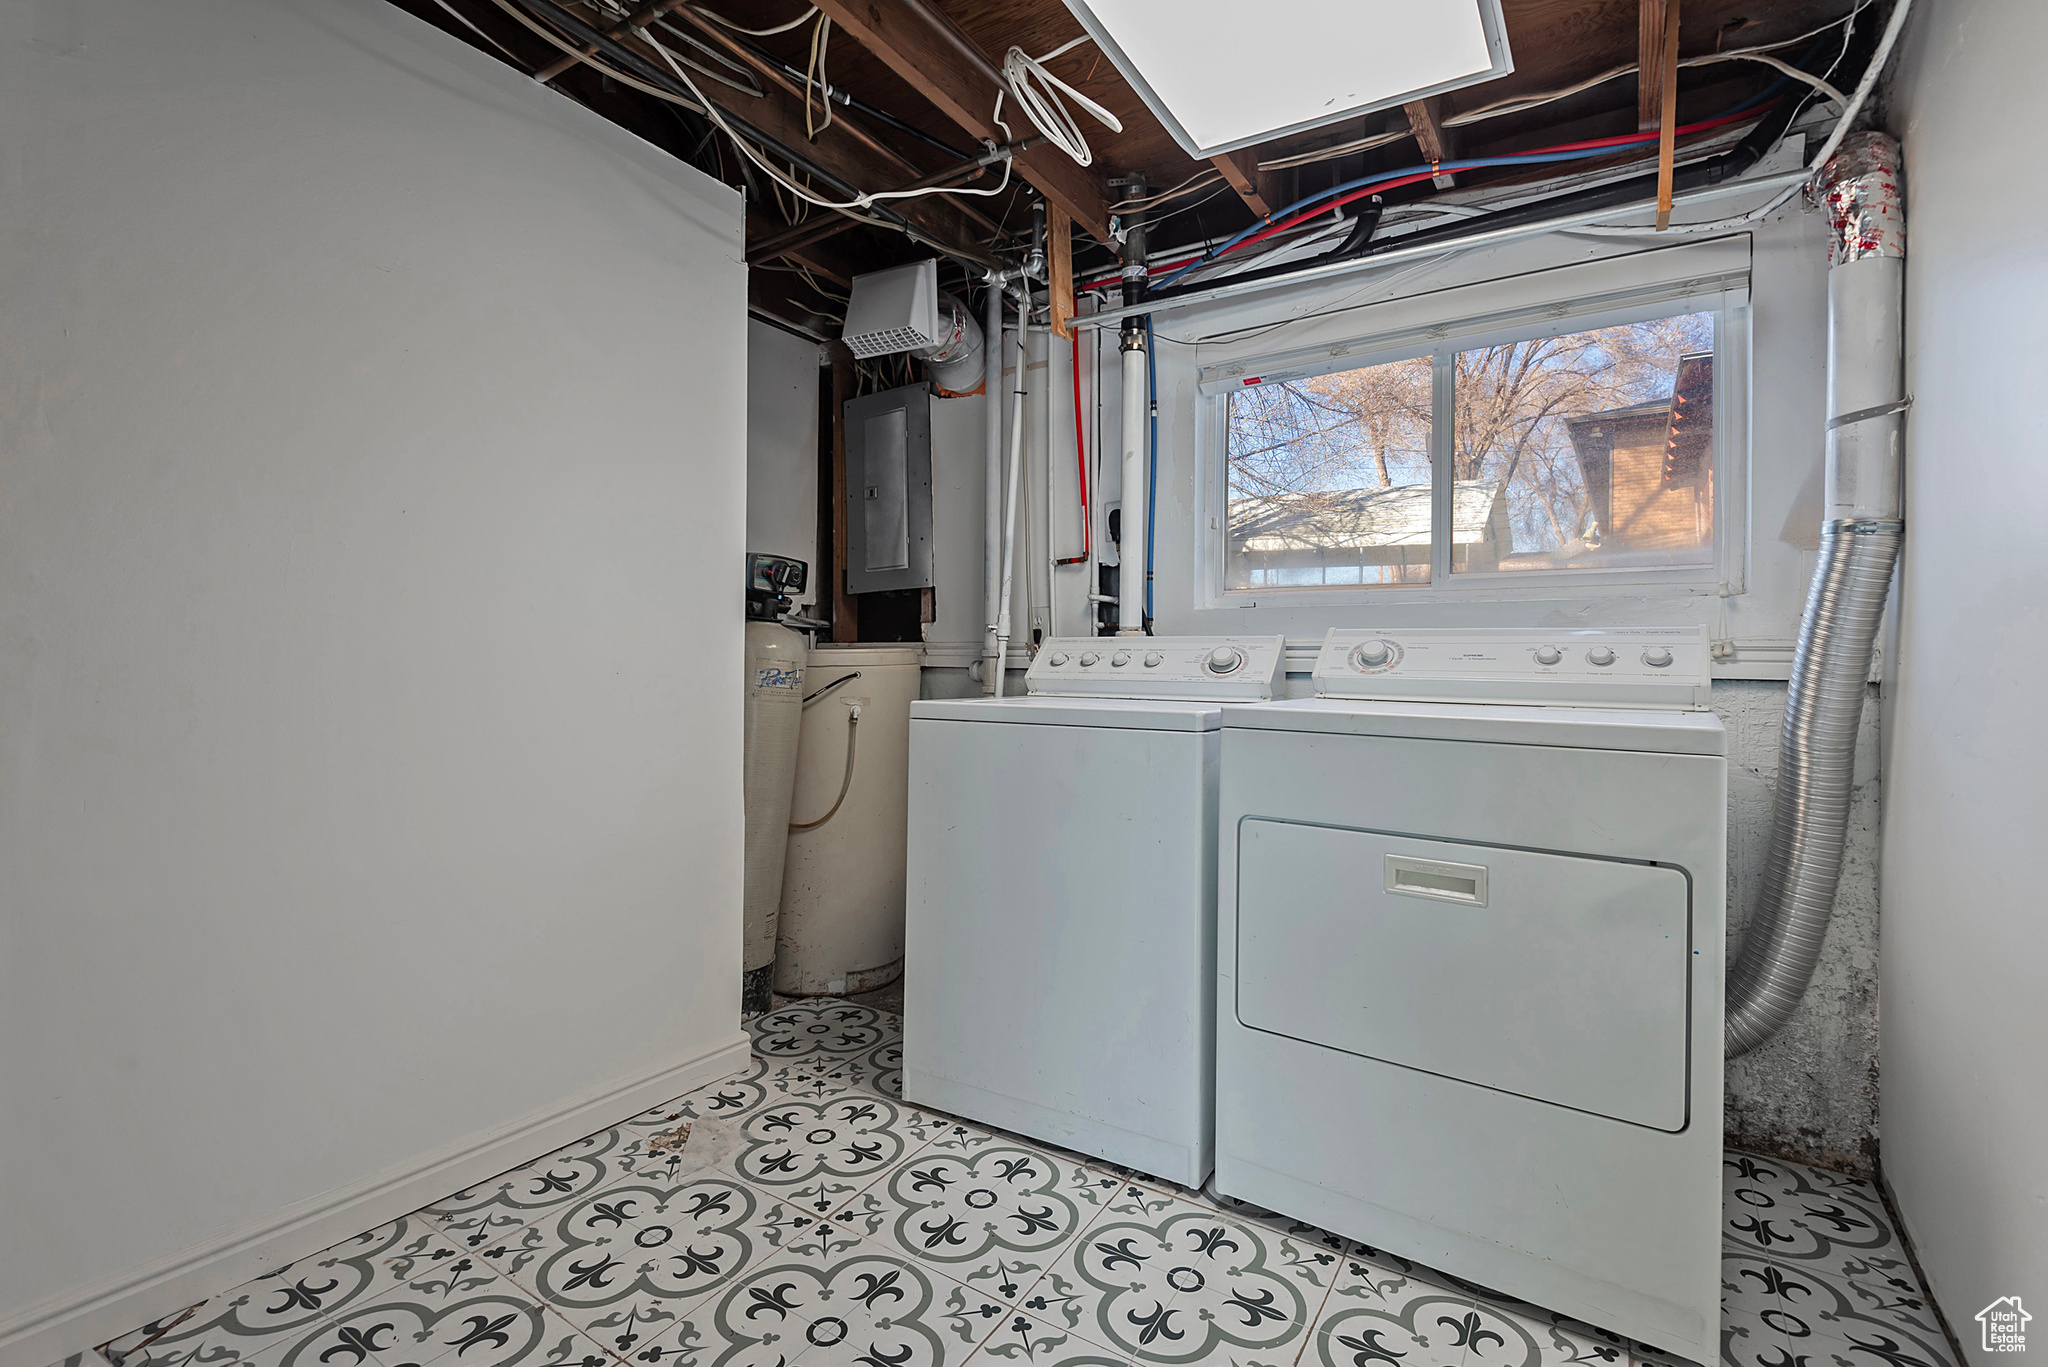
column 1425, row 120
column 1241, row 171
column 843, row 119
column 840, row 152
column 930, row 52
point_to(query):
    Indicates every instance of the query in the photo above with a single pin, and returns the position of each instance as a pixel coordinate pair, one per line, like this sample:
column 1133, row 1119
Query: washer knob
column 1548, row 655
column 1153, row 659
column 1059, row 657
column 1088, row 657
column 1656, row 657
column 1600, row 655
column 1224, row 660
column 1375, row 653
column 1120, row 659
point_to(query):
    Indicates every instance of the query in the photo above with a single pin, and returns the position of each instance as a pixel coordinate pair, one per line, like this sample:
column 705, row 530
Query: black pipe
column 1708, row 171
column 851, row 101
column 1714, row 170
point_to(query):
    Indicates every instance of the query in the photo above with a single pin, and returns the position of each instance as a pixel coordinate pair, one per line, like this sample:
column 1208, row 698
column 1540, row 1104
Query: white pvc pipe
column 992, row 484
column 1010, row 516
column 1130, row 579
column 1044, row 444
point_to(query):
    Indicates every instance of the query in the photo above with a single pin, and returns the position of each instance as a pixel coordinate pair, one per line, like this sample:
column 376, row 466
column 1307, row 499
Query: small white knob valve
column 1224, row 660
column 1600, row 655
column 1375, row 653
column 1120, row 659
column 1152, row 659
column 1548, row 655
column 1088, row 657
column 1059, row 658
column 1656, row 657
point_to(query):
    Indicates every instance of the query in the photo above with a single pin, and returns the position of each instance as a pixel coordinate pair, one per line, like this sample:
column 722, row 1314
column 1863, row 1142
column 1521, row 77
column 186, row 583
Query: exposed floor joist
column 930, row 52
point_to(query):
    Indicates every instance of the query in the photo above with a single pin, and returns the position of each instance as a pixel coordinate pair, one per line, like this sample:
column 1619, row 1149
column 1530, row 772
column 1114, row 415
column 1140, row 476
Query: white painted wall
column 370, row 515
column 782, row 449
column 1964, row 1108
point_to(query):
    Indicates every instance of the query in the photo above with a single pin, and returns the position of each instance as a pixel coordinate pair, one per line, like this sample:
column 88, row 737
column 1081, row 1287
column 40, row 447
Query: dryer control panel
column 1190, row 668
column 1628, row 667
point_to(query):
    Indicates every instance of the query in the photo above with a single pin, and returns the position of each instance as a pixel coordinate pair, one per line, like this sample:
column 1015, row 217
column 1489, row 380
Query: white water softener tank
column 842, row 888
column 775, row 698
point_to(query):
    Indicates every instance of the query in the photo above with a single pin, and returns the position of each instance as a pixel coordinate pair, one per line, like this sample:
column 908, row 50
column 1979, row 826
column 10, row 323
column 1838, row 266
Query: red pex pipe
column 1080, row 458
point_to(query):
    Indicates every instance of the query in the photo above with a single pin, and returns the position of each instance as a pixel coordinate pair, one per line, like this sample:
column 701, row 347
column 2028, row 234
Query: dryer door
column 1553, row 976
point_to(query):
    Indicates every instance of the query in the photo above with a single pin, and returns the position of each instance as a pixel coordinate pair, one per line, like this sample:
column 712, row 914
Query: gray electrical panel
column 889, row 490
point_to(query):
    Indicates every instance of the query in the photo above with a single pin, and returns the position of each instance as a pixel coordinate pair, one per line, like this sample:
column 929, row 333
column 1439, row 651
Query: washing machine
column 1469, row 964
column 1059, row 963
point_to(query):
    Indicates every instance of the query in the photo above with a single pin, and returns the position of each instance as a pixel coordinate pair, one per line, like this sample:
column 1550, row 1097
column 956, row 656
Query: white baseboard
column 70, row 1322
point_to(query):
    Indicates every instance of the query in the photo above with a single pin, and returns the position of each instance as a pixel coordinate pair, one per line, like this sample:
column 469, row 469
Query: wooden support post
column 1425, row 120
column 1667, row 129
column 1650, row 26
column 1059, row 255
column 845, row 607
column 1241, row 170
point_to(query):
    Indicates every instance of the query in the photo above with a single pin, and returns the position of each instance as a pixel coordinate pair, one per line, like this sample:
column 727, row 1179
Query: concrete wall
column 1965, row 1110
column 782, row 449
column 370, row 509
column 1810, row 1091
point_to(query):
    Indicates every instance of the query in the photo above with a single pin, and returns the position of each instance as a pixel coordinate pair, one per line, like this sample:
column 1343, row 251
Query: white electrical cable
column 746, row 148
column 724, row 22
column 1779, row 63
column 594, row 64
column 1035, row 89
column 1841, row 130
column 474, row 29
column 1522, row 103
column 821, row 35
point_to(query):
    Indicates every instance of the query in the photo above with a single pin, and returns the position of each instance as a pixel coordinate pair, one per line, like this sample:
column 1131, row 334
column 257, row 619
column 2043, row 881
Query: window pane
column 1589, row 451
column 1329, row 480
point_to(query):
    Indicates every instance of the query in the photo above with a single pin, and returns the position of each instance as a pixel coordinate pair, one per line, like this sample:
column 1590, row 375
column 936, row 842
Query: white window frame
column 1706, row 278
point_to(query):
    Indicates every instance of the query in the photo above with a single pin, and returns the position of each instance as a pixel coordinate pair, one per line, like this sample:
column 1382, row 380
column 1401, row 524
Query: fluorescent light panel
column 1224, row 76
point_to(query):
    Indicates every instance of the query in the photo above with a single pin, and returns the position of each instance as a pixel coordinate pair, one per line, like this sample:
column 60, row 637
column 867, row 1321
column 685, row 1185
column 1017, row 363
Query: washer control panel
column 1194, row 668
column 1636, row 667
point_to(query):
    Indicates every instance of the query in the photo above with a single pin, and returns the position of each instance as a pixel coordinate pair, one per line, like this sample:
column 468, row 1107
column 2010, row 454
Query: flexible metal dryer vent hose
column 1845, row 605
column 1810, row 822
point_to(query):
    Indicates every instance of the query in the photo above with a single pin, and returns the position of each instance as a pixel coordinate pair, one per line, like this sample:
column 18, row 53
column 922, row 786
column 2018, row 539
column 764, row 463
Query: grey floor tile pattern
column 801, row 1214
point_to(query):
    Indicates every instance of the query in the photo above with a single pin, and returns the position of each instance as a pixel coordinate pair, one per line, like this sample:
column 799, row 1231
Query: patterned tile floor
column 800, row 1215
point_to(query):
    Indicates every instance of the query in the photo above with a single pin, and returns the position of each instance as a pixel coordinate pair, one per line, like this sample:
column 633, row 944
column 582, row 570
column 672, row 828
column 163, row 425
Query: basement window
column 1492, row 458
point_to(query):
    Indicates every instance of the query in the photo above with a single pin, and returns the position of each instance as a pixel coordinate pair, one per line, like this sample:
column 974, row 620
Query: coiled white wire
column 1035, row 90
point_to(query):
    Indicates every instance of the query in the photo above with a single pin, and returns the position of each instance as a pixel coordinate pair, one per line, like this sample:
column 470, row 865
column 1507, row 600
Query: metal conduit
column 1845, row 604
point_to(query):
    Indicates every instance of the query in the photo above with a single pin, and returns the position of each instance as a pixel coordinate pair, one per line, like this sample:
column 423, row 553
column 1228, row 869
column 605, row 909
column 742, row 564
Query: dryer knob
column 1153, row 659
column 1120, row 659
column 1224, row 660
column 1375, row 653
column 1656, row 657
column 1059, row 658
column 1600, row 655
column 1088, row 658
column 1548, row 655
